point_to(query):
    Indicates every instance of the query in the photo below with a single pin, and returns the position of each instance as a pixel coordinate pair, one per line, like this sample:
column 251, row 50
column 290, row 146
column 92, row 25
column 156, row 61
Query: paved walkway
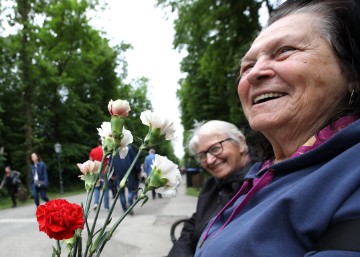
column 146, row 234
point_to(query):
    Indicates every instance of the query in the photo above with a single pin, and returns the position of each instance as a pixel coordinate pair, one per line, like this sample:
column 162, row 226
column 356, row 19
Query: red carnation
column 59, row 219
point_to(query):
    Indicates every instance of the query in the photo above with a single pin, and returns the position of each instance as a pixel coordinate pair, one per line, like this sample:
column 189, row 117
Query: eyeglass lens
column 215, row 150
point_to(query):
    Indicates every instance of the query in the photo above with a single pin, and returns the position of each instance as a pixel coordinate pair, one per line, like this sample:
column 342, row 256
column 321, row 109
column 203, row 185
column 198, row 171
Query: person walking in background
column 220, row 148
column 113, row 187
column 11, row 180
column 96, row 154
column 38, row 179
column 120, row 167
column 147, row 168
column 143, row 175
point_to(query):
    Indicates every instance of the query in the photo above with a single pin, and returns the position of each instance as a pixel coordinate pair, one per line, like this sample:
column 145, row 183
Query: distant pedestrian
column 113, row 186
column 38, row 179
column 143, row 175
column 121, row 166
column 11, row 180
column 147, row 167
column 96, row 154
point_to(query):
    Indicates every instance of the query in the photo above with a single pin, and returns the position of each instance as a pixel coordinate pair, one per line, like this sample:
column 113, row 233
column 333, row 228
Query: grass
column 192, row 191
column 5, row 201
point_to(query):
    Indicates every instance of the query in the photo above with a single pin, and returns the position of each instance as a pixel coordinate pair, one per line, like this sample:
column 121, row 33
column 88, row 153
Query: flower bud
column 119, row 107
column 88, row 169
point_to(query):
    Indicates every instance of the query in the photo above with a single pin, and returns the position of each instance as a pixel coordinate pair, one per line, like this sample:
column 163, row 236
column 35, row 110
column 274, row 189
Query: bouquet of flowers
column 66, row 221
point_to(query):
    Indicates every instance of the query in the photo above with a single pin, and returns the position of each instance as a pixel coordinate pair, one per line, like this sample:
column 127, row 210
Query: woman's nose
column 210, row 158
column 260, row 72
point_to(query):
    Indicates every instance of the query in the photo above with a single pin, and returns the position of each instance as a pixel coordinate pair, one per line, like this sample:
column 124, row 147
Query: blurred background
column 63, row 60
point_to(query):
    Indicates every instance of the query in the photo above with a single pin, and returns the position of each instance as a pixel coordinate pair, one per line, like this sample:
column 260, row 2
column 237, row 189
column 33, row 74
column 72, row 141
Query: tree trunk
column 25, row 60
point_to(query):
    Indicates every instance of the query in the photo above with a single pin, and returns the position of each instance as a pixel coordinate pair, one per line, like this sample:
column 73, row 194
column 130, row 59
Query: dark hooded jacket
column 213, row 196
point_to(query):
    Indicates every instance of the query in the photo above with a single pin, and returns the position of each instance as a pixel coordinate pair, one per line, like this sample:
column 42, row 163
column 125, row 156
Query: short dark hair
column 340, row 26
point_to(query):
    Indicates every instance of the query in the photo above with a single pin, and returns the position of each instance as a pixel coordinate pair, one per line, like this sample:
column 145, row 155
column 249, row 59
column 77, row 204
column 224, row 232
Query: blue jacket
column 148, row 162
column 309, row 193
column 121, row 166
column 41, row 171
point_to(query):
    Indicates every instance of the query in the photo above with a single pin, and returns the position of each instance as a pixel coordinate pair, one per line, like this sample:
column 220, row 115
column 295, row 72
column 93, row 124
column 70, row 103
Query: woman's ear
column 243, row 148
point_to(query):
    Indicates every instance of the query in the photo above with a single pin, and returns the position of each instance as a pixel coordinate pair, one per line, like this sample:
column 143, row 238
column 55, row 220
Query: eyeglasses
column 215, row 150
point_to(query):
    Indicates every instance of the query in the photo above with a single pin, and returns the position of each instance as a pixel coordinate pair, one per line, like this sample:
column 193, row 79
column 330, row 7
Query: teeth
column 269, row 95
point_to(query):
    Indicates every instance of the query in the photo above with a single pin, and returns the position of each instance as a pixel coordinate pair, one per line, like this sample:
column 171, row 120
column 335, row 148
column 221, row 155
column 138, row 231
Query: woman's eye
column 246, row 68
column 283, row 52
column 285, row 49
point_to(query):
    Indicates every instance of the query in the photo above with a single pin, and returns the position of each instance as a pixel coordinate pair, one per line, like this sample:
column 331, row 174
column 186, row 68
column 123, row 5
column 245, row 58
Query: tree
column 58, row 74
column 215, row 35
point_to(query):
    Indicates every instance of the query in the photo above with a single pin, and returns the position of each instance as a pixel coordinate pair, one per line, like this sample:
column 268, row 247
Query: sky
column 145, row 27
column 149, row 29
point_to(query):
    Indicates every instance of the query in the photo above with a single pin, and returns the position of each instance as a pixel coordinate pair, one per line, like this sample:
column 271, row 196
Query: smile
column 266, row 97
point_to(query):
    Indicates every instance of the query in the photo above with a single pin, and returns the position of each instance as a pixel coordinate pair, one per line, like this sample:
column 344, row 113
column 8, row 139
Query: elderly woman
column 300, row 87
column 220, row 148
column 38, row 179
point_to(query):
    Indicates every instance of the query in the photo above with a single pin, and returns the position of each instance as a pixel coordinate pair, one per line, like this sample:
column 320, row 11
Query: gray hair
column 339, row 24
column 213, row 127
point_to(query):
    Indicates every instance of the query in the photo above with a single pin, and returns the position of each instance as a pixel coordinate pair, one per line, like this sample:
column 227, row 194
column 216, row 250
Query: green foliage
column 215, row 35
column 192, row 191
column 57, row 76
column 138, row 103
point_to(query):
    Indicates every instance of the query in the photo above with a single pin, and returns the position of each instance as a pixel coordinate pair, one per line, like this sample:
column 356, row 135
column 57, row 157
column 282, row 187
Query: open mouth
column 266, row 97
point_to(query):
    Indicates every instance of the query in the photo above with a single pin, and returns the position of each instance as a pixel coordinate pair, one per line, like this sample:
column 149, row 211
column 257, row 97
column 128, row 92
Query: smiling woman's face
column 226, row 163
column 290, row 78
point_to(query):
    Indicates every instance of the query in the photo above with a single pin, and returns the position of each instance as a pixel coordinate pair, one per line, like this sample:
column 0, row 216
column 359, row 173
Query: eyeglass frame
column 198, row 155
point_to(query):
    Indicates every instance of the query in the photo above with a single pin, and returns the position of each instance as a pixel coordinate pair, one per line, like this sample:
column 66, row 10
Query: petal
column 169, row 170
column 120, row 107
column 105, row 130
column 127, row 137
column 167, row 191
column 145, row 117
column 110, row 106
column 123, row 152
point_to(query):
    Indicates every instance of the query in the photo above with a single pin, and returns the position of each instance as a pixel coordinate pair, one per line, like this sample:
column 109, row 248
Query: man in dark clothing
column 220, row 148
column 11, row 180
column 121, row 166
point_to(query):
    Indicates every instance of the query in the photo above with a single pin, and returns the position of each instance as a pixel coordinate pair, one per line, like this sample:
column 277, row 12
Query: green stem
column 90, row 247
column 75, row 248
column 141, row 197
column 80, row 246
column 108, row 217
column 113, row 228
column 124, row 180
column 88, row 205
column 58, row 248
column 91, row 193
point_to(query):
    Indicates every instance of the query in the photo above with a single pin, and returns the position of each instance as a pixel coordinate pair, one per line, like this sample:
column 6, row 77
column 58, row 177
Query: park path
column 145, row 234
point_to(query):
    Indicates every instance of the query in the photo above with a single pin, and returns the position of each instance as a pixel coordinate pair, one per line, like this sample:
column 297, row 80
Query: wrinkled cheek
column 243, row 93
column 243, row 89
